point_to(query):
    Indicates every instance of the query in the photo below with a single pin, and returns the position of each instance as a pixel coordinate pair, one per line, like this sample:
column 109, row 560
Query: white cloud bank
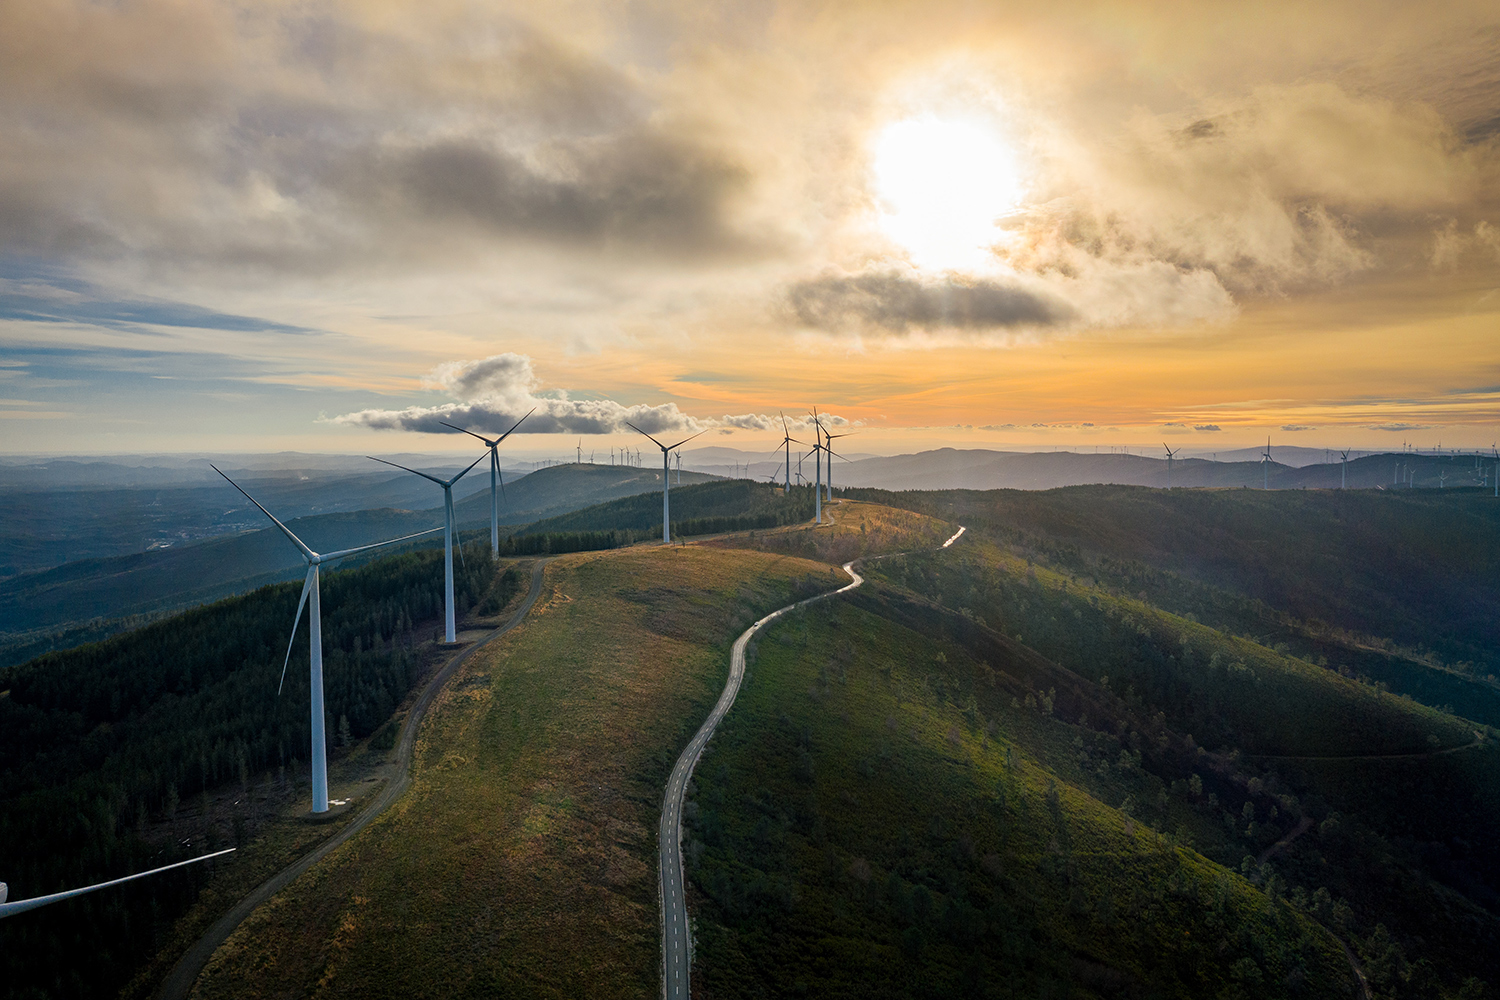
column 492, row 393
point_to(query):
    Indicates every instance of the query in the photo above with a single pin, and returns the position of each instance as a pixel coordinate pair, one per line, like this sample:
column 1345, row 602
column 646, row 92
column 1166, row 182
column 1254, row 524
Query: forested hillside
column 99, row 742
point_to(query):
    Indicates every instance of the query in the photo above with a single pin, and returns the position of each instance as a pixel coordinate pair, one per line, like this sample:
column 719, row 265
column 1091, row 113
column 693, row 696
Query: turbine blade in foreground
column 517, row 424
column 481, row 437
column 22, row 905
column 341, row 553
column 306, row 586
column 306, row 552
column 639, row 431
column 463, row 473
column 405, row 469
column 685, row 440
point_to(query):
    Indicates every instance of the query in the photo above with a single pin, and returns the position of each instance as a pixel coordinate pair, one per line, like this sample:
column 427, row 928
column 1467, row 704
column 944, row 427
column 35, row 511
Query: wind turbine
column 1265, row 466
column 449, row 635
column 1343, row 470
column 1170, row 455
column 786, row 440
column 818, row 468
column 828, row 440
column 666, row 479
column 10, row 909
column 315, row 629
column 495, row 474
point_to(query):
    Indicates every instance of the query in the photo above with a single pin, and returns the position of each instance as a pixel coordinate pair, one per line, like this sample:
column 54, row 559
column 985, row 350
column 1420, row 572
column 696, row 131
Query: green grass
column 863, row 828
column 522, row 861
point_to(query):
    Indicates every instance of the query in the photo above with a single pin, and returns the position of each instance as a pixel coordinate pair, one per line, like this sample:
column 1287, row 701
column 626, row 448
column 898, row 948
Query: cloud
column 1297, row 427
column 328, row 138
column 1207, row 427
column 897, row 301
column 1398, row 427
column 1176, row 219
column 492, row 394
column 44, row 295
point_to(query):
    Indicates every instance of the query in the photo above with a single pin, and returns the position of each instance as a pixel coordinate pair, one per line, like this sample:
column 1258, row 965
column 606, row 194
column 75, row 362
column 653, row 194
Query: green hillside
column 100, row 743
column 1400, row 588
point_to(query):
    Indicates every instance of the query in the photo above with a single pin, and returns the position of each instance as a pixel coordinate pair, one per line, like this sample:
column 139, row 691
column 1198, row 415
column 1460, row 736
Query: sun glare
column 942, row 186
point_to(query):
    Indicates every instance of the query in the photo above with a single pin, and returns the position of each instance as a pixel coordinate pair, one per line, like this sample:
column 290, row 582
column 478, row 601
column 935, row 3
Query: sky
column 331, row 227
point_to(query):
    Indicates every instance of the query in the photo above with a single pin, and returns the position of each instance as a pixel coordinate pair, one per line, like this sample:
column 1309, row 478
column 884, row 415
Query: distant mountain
column 949, row 468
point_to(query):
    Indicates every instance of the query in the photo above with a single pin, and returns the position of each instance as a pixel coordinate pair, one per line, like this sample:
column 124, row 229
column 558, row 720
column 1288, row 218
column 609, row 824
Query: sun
column 942, row 185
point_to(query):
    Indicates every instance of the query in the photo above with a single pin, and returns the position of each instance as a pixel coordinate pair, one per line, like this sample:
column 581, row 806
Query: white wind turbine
column 828, row 443
column 495, row 474
column 10, row 909
column 311, row 586
column 666, row 479
column 818, row 470
column 786, row 440
column 449, row 635
column 1265, row 466
column 1170, row 456
column 1343, row 470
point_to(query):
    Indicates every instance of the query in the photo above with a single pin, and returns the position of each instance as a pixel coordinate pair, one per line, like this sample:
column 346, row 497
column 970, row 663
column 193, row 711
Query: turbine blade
column 306, row 552
column 468, row 432
column 341, row 553
column 306, row 586
column 465, row 472
column 517, row 424
column 639, row 431
column 685, row 440
column 499, row 471
column 405, row 469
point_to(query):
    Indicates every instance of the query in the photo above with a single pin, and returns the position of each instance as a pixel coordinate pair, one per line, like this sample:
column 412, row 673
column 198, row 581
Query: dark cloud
column 643, row 188
column 318, row 140
column 897, row 302
column 1297, row 427
column 1398, row 427
column 1207, row 427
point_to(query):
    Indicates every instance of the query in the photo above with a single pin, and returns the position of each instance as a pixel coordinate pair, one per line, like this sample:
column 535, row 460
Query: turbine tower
column 818, row 468
column 315, row 628
column 666, row 479
column 1343, row 470
column 495, row 474
column 449, row 635
column 1265, row 466
column 1170, row 456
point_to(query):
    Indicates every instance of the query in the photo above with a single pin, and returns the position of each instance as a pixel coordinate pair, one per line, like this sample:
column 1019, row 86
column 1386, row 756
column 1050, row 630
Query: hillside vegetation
column 1398, row 587
column 100, row 744
column 522, row 861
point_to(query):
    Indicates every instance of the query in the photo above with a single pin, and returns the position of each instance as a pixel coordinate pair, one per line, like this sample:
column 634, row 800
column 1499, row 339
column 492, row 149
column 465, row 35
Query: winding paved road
column 179, row 981
column 676, row 936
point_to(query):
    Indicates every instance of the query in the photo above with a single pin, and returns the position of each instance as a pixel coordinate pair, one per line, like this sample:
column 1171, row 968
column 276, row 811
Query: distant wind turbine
column 449, row 633
column 1170, row 456
column 1343, row 470
column 786, row 440
column 828, row 442
column 311, row 586
column 10, row 909
column 495, row 474
column 666, row 479
column 1265, row 466
column 817, row 468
